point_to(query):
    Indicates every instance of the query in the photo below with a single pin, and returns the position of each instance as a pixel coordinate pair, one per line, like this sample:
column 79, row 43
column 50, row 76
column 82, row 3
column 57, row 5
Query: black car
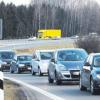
column 90, row 74
column 6, row 57
column 21, row 63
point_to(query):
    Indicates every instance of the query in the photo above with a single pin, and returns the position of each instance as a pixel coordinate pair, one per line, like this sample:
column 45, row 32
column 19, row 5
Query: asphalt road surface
column 21, row 43
column 67, row 91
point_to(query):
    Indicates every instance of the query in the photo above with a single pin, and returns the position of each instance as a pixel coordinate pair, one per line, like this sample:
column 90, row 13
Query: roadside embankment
column 13, row 91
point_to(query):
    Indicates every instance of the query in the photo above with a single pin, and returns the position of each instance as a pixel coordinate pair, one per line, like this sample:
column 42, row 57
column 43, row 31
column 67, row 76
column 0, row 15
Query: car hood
column 72, row 65
column 24, row 62
column 6, row 60
column 44, row 62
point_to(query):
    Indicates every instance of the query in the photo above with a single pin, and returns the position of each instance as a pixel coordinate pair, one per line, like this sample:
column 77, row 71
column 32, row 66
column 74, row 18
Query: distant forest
column 24, row 21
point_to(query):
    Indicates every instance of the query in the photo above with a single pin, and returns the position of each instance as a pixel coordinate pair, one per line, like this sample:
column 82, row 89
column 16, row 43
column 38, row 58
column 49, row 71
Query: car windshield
column 96, row 61
column 46, row 55
column 24, row 58
column 6, row 55
column 71, row 55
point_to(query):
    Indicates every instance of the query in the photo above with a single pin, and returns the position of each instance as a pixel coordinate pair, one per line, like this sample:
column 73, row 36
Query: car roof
column 23, row 55
column 6, row 51
column 69, row 49
column 45, row 50
column 95, row 54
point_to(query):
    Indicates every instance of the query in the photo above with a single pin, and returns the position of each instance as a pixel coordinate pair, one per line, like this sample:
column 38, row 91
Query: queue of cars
column 69, row 64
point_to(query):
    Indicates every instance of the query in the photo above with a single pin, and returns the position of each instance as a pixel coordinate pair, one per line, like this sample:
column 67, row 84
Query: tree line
column 24, row 21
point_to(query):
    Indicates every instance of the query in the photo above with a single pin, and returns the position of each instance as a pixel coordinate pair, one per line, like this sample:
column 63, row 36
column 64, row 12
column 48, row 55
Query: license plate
column 75, row 73
column 29, row 68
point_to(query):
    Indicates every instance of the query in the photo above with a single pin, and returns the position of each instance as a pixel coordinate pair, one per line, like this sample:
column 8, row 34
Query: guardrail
column 1, row 86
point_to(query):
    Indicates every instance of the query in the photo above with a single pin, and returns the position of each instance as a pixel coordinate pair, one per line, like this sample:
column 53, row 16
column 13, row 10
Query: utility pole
column 1, row 29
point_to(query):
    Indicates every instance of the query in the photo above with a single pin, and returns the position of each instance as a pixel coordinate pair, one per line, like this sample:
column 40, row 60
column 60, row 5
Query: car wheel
column 93, row 91
column 49, row 79
column 33, row 73
column 39, row 72
column 11, row 71
column 58, row 82
column 82, row 88
column 18, row 71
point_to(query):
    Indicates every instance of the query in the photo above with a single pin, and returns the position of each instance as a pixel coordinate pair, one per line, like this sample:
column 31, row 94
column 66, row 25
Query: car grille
column 73, row 75
column 67, row 76
column 28, row 64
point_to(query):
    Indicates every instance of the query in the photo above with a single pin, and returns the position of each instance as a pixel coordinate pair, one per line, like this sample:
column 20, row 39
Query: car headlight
column 4, row 63
column 62, row 68
column 21, row 65
column 98, row 76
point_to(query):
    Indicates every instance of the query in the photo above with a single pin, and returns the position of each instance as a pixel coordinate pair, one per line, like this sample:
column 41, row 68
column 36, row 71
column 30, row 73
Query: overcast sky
column 25, row 2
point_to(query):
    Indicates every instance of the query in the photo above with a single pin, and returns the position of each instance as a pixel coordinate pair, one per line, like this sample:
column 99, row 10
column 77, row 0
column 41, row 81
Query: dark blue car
column 21, row 63
column 66, row 65
column 90, row 74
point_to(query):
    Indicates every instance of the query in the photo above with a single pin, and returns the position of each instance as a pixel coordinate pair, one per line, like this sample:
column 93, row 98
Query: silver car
column 66, row 65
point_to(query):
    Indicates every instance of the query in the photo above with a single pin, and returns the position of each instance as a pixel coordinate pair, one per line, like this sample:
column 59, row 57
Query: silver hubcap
column 92, row 89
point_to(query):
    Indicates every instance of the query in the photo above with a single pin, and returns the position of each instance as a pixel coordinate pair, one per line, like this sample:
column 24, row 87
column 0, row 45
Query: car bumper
column 5, row 67
column 97, row 84
column 25, row 69
column 69, row 77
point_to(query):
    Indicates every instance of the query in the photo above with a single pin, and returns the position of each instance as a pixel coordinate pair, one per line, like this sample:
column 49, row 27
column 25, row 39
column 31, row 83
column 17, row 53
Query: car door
column 35, row 62
column 52, row 68
column 87, row 71
column 14, row 64
column 88, row 74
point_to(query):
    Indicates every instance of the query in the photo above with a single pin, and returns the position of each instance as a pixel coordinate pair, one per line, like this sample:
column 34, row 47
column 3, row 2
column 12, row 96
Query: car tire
column 58, row 82
column 11, row 71
column 18, row 71
column 92, row 90
column 49, row 79
column 33, row 73
column 39, row 72
column 82, row 88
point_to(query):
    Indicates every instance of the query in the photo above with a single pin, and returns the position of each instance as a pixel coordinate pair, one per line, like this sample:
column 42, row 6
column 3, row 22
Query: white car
column 40, row 61
column 32, row 38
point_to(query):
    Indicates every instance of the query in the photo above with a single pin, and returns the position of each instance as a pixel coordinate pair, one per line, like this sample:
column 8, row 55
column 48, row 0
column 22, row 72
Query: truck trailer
column 49, row 34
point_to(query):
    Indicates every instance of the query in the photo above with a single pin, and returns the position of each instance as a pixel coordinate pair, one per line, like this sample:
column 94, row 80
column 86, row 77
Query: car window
column 96, row 61
column 71, row 55
column 7, row 55
column 24, row 58
column 46, row 55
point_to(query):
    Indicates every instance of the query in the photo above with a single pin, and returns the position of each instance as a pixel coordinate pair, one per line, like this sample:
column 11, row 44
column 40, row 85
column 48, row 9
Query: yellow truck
column 49, row 34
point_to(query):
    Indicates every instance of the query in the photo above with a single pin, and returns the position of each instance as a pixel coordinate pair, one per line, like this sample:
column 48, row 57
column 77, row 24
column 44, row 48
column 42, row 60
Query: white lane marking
column 49, row 95
column 1, row 94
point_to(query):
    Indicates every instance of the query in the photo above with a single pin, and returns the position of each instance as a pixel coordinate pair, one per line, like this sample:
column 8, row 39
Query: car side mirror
column 53, row 60
column 37, row 59
column 87, row 64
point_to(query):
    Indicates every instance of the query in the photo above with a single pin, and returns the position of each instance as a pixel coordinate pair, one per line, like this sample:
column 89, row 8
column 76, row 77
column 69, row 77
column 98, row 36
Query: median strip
column 49, row 95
